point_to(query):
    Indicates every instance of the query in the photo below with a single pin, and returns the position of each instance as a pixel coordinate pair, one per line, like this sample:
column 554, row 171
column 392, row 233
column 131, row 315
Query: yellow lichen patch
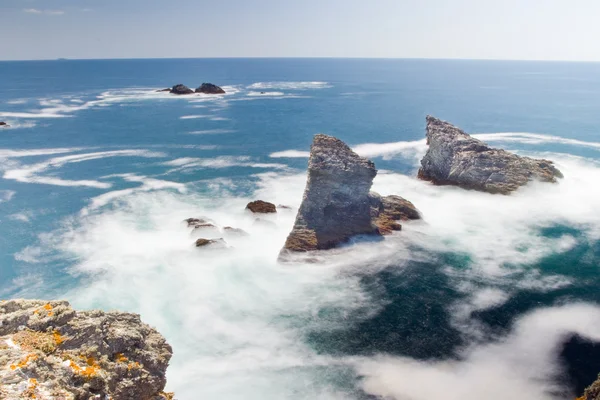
column 91, row 370
column 119, row 357
column 48, row 308
column 134, row 365
column 167, row 395
column 57, row 338
column 32, row 340
column 29, row 393
column 24, row 361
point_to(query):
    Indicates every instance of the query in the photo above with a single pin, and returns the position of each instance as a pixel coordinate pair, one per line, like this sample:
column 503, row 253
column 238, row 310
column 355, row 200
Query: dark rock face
column 56, row 352
column 261, row 207
column 337, row 202
column 593, row 392
column 213, row 243
column 209, row 88
column 455, row 158
column 164, row 90
column 181, row 89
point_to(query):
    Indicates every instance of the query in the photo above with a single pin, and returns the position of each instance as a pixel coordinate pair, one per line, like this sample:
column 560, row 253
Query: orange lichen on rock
column 24, row 362
column 48, row 308
column 91, row 370
column 29, row 393
column 134, row 365
column 119, row 357
column 32, row 340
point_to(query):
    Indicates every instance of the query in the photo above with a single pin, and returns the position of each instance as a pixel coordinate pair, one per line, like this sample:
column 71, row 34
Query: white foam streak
column 289, row 85
column 533, row 138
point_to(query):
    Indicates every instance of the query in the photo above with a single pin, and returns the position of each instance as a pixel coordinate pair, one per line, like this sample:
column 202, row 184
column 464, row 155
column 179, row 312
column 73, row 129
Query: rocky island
column 50, row 351
column 205, row 88
column 209, row 88
column 337, row 202
column 456, row 158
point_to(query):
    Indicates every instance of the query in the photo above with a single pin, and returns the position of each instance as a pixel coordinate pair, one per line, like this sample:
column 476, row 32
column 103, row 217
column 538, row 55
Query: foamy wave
column 211, row 132
column 266, row 94
column 289, row 85
column 31, row 173
column 290, row 154
column 191, row 163
column 193, row 116
column 533, row 138
column 6, row 195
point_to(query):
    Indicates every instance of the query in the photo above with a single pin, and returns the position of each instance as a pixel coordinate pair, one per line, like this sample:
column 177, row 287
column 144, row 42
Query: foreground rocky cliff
column 593, row 392
column 50, row 351
column 337, row 202
column 455, row 158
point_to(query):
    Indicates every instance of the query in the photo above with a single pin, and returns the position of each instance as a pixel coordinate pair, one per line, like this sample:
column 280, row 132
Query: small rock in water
column 262, row 207
column 193, row 222
column 181, row 89
column 284, row 207
column 455, row 158
column 164, row 90
column 4, row 124
column 218, row 243
column 235, row 231
column 209, row 88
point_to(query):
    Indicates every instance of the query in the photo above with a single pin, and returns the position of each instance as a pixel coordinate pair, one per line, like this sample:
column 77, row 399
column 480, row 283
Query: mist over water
column 474, row 301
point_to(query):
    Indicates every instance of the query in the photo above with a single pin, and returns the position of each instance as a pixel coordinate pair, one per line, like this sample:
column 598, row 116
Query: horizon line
column 298, row 58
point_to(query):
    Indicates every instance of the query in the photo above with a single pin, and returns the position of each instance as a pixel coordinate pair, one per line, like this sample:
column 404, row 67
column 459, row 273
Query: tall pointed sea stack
column 455, row 158
column 337, row 202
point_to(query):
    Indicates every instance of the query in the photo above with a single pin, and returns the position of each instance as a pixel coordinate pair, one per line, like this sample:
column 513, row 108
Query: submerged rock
column 4, row 124
column 213, row 243
column 337, row 202
column 235, row 231
column 50, row 351
column 592, row 392
column 181, row 89
column 261, row 207
column 164, row 90
column 209, row 88
column 455, row 158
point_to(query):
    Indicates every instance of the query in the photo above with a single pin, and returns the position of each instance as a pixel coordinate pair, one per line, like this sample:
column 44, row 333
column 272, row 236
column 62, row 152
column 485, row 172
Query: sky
column 467, row 29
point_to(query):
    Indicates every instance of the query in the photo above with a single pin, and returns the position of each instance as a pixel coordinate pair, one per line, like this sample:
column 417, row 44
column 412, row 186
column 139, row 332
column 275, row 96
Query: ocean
column 489, row 297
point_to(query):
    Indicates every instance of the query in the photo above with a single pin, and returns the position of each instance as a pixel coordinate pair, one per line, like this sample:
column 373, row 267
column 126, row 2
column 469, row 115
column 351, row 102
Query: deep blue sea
column 489, row 297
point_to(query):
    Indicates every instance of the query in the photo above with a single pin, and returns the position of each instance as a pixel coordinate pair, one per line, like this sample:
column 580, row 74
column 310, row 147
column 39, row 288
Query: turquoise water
column 99, row 170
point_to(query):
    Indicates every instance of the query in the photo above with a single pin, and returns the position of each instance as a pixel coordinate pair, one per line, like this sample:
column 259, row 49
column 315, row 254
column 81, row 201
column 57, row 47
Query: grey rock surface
column 455, row 158
column 337, row 202
column 592, row 392
column 181, row 89
column 209, row 88
column 50, row 351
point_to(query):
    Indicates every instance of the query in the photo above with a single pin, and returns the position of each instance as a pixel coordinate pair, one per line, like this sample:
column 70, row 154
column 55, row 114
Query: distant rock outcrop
column 181, row 89
column 164, row 90
column 212, row 243
column 209, row 88
column 50, row 351
column 261, row 207
column 455, row 158
column 4, row 124
column 337, row 202
column 592, row 392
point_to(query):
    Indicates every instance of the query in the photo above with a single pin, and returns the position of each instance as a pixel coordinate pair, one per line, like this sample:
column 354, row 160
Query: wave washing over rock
column 50, row 351
column 455, row 158
column 337, row 202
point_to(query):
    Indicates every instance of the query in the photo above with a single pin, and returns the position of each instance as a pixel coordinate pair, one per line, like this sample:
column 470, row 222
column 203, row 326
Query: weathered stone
column 53, row 352
column 592, row 392
column 261, row 207
column 181, row 89
column 213, row 243
column 455, row 158
column 205, row 230
column 337, row 202
column 234, row 231
column 209, row 88
column 193, row 222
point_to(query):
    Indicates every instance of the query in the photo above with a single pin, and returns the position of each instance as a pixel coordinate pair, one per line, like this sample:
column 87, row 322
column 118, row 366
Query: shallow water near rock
column 99, row 171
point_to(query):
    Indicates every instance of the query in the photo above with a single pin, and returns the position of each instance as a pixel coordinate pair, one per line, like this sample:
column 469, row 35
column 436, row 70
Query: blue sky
column 499, row 29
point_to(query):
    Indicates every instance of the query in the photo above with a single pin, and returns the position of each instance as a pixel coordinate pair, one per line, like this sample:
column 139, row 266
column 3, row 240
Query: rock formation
column 212, row 243
column 455, row 158
column 4, row 124
column 50, row 351
column 592, row 392
column 261, row 207
column 337, row 202
column 164, row 90
column 181, row 89
column 209, row 88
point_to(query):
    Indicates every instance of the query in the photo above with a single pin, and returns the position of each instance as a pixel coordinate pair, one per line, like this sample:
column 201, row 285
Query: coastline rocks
column 212, row 243
column 455, row 158
column 261, row 207
column 4, row 124
column 337, row 202
column 592, row 392
column 181, row 89
column 50, row 351
column 164, row 90
column 209, row 88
